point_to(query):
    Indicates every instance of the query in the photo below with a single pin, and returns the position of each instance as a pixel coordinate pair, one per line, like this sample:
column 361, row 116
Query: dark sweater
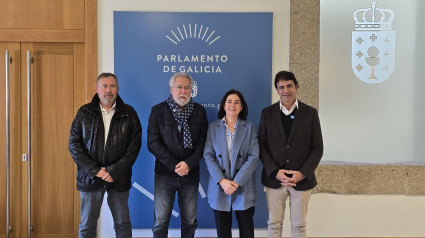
column 287, row 122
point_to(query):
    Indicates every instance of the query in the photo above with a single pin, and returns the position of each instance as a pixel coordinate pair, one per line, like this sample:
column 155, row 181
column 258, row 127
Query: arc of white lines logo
column 180, row 35
column 152, row 197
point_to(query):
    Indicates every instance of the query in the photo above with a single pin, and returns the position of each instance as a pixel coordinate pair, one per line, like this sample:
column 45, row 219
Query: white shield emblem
column 194, row 89
column 373, row 44
column 373, row 55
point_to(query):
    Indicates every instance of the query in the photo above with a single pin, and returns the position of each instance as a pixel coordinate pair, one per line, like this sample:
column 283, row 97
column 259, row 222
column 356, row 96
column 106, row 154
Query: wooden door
column 54, row 207
column 14, row 139
column 48, row 202
column 61, row 74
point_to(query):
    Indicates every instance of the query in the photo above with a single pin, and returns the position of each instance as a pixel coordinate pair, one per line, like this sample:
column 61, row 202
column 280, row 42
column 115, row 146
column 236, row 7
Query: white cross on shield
column 373, row 55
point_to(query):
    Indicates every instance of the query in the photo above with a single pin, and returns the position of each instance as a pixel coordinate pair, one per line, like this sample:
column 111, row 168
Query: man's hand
column 228, row 186
column 104, row 175
column 107, row 178
column 101, row 172
column 281, row 175
column 182, row 169
column 289, row 177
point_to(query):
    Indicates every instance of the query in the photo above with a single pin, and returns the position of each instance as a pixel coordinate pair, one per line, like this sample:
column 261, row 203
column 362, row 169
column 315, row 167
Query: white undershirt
column 107, row 117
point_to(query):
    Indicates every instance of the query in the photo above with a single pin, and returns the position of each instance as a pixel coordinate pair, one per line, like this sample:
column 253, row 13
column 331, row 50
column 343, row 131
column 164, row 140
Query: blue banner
column 221, row 51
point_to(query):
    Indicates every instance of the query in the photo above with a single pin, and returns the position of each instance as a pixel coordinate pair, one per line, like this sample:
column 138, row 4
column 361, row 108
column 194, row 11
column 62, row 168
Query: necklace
column 231, row 123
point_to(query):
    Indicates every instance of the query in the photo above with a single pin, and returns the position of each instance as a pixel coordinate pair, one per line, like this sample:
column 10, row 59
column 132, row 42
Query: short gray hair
column 106, row 75
column 180, row 74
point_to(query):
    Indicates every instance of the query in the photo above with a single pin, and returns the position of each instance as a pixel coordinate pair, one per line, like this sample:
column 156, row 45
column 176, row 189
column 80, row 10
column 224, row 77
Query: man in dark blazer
column 291, row 146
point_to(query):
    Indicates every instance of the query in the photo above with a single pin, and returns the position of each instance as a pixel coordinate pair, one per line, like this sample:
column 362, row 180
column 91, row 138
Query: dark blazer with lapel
column 240, row 167
column 302, row 151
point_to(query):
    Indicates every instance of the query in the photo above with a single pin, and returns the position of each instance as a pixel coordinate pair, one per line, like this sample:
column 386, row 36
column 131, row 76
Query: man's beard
column 182, row 103
column 108, row 100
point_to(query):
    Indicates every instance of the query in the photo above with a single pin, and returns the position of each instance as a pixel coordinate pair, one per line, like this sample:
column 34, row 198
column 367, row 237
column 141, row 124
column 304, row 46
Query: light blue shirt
column 230, row 136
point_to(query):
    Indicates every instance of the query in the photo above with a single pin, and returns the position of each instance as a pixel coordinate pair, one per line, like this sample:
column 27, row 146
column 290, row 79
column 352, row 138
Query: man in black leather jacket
column 177, row 131
column 104, row 142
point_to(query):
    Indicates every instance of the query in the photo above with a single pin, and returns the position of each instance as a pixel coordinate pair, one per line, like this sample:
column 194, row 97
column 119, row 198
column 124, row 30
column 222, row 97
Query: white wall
column 329, row 215
column 372, row 123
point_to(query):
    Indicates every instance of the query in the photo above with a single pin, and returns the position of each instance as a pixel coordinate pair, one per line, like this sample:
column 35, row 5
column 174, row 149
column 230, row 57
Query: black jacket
column 165, row 141
column 302, row 151
column 86, row 144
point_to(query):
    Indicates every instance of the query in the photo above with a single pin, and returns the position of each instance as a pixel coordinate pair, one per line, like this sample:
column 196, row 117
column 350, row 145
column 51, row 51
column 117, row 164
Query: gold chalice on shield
column 372, row 60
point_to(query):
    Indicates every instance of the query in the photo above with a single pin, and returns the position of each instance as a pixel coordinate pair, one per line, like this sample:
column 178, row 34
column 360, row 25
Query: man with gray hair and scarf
column 177, row 131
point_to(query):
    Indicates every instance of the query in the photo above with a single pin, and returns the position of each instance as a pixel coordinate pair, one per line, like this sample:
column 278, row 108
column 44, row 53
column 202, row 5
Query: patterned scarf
column 181, row 118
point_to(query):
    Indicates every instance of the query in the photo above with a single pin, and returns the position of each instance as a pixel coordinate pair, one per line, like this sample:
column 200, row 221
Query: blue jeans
column 91, row 202
column 165, row 192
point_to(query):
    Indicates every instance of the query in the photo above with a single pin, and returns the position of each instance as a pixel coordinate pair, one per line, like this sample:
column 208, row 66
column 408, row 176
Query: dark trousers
column 91, row 202
column 165, row 192
column 245, row 218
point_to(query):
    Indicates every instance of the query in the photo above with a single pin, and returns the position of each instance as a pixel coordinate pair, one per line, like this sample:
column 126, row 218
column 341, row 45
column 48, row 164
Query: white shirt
column 107, row 117
column 230, row 136
column 285, row 111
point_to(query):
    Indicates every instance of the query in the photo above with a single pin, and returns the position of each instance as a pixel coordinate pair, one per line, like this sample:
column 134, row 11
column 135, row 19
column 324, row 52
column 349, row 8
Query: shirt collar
column 112, row 108
column 286, row 111
column 224, row 122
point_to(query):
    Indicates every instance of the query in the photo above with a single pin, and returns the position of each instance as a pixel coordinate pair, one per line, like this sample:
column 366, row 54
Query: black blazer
column 165, row 141
column 302, row 151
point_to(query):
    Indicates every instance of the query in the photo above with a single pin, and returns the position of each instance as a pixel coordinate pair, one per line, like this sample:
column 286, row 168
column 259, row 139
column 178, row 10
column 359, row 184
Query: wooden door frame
column 90, row 50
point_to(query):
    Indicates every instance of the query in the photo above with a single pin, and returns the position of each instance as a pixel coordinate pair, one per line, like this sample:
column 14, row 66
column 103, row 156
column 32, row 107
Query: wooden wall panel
column 42, row 14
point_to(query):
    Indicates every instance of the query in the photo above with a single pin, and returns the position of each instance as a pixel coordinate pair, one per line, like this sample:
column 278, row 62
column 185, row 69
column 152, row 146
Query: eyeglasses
column 180, row 87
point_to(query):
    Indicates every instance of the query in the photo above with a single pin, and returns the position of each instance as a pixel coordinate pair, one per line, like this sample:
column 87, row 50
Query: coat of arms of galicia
column 373, row 44
column 194, row 89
